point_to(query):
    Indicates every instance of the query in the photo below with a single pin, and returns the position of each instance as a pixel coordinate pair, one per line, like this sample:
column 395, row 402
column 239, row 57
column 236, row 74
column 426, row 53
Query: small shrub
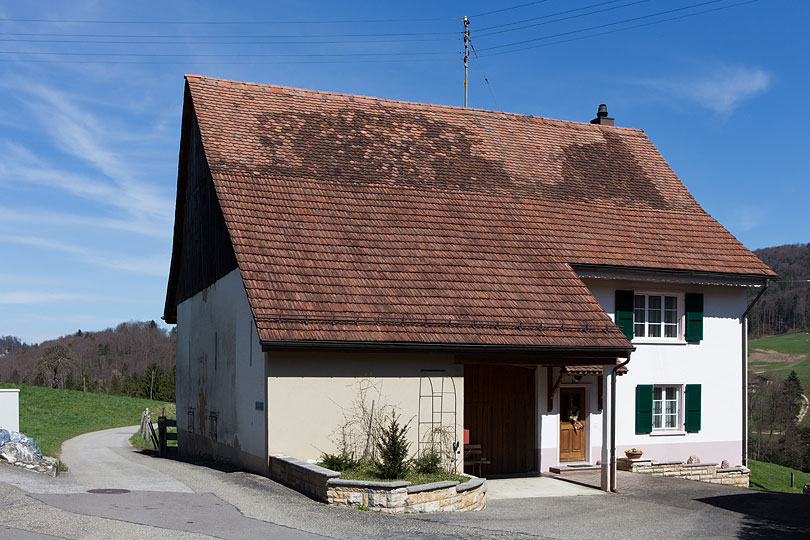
column 392, row 450
column 430, row 462
column 338, row 462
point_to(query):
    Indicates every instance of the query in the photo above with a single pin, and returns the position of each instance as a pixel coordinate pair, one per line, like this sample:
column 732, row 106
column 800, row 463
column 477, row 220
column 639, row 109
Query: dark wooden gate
column 500, row 412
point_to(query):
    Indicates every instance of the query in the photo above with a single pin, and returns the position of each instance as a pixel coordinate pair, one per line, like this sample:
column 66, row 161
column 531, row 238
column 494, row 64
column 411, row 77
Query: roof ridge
column 439, row 106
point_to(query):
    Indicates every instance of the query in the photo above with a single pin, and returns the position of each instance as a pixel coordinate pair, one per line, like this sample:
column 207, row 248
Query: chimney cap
column 602, row 116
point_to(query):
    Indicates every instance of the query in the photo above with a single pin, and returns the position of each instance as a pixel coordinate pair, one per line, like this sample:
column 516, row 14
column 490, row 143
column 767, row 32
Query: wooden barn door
column 499, row 411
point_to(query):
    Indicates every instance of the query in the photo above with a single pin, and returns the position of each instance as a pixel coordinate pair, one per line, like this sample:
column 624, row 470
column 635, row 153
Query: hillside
column 98, row 361
column 785, row 306
column 776, row 356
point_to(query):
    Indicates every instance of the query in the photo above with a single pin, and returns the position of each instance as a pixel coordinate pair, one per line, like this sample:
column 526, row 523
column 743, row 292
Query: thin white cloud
column 39, row 216
column 34, row 297
column 721, row 89
column 82, row 134
column 156, row 265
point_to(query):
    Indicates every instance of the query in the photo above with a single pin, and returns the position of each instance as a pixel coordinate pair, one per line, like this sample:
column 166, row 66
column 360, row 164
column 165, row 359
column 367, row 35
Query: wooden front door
column 500, row 412
column 573, row 415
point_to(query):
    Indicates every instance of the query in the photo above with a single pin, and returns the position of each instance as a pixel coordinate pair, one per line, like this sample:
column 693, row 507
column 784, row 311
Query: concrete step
column 565, row 470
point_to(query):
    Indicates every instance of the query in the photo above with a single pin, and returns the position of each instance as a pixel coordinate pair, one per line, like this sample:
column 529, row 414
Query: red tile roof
column 361, row 219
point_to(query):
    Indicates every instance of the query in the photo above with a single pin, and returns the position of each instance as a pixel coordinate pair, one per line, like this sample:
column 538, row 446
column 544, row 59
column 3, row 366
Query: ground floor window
column 666, row 407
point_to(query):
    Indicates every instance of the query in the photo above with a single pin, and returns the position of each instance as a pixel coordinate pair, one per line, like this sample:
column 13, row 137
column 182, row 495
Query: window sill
column 667, row 433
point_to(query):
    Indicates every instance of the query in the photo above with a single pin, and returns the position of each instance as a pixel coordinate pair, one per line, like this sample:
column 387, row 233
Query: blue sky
column 90, row 113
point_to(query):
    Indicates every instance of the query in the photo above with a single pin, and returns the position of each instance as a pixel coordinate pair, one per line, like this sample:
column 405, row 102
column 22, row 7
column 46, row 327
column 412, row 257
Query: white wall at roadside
column 715, row 363
column 10, row 409
column 220, row 368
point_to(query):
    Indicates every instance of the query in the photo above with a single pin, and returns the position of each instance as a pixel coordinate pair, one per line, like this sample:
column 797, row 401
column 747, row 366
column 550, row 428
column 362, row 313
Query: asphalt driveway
column 194, row 501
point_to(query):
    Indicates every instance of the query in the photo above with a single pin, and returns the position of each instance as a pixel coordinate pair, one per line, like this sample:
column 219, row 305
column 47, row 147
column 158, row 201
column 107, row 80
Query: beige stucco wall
column 312, row 394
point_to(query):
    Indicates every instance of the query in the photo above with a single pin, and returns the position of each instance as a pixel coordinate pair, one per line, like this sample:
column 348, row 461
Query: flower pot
column 632, row 455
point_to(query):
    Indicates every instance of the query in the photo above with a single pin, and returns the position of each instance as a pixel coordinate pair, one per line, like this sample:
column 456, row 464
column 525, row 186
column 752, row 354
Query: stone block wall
column 389, row 497
column 304, row 477
column 702, row 472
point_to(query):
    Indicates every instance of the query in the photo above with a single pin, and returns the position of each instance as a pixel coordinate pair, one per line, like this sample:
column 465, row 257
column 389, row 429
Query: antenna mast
column 466, row 55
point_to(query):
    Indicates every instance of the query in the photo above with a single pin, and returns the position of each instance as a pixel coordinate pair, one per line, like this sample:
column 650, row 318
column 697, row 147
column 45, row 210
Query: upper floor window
column 655, row 316
column 660, row 316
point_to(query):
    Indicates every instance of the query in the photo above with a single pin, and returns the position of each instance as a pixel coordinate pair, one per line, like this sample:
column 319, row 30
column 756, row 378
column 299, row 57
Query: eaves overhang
column 607, row 271
column 538, row 351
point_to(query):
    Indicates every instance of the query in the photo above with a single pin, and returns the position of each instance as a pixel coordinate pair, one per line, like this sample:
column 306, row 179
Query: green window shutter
column 694, row 317
column 692, row 413
column 644, row 408
column 624, row 312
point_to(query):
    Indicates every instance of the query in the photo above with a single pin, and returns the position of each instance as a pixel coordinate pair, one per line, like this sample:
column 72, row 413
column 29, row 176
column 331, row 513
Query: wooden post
column 792, row 479
column 163, row 447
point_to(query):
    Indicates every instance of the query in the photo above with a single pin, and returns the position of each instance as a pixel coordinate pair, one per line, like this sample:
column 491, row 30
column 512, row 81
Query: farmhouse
column 484, row 273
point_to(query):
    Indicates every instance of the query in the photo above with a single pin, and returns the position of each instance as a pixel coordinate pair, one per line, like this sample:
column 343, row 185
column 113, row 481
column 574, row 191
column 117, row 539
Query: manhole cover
column 107, row 491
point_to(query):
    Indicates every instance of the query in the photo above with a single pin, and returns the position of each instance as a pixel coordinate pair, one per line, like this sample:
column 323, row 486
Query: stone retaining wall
column 702, row 472
column 390, row 497
column 49, row 466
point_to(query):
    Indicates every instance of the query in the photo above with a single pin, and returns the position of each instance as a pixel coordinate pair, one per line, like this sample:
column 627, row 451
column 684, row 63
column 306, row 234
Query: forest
column 785, row 305
column 133, row 359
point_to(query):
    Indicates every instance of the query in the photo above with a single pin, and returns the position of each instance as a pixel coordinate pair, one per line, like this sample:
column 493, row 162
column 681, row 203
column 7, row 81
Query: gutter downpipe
column 613, row 423
column 744, row 321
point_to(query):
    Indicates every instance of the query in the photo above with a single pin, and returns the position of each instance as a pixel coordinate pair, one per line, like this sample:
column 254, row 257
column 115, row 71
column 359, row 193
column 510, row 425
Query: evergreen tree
column 392, row 450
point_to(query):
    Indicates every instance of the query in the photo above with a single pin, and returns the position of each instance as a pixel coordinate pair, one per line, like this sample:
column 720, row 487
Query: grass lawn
column 51, row 416
column 794, row 343
column 770, row 477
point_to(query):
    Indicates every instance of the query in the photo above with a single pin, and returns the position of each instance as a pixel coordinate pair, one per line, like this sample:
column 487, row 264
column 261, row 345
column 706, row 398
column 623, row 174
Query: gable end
column 202, row 251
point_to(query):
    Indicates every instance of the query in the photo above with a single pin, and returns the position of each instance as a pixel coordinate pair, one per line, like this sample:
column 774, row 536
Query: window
column 666, row 407
column 670, row 317
column 674, row 408
column 655, row 316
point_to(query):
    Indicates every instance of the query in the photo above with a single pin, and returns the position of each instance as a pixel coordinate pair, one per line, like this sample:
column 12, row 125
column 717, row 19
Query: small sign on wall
column 260, row 405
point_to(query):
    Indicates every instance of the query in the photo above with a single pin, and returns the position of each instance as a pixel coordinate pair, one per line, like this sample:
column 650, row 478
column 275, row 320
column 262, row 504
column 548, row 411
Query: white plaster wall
column 220, row 368
column 715, row 363
column 548, row 429
column 312, row 393
column 10, row 409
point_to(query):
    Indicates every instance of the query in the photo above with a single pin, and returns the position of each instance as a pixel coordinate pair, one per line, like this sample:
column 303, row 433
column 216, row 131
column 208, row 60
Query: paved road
column 216, row 503
column 804, row 409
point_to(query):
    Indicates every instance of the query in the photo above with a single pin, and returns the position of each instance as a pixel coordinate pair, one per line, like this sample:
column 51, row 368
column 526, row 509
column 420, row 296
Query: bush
column 430, row 462
column 392, row 450
column 338, row 462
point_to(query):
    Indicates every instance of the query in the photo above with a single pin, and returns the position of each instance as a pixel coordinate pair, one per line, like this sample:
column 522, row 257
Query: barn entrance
column 500, row 414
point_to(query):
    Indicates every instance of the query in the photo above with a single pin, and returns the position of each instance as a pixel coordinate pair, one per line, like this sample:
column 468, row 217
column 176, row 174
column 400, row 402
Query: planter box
column 389, row 497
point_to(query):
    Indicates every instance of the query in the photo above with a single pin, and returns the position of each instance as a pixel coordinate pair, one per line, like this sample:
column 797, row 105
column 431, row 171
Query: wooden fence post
column 163, row 450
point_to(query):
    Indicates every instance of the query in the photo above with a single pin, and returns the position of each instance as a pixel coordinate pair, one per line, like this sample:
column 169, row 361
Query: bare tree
column 55, row 366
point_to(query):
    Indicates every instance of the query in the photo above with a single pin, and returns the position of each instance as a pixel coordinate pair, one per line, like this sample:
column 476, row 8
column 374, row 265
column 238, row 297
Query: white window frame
column 680, row 336
column 679, row 414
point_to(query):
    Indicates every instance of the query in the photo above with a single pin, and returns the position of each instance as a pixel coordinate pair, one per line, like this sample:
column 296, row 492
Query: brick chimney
column 602, row 116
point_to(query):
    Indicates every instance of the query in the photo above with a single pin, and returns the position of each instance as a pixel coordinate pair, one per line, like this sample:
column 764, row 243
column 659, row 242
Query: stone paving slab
column 536, row 486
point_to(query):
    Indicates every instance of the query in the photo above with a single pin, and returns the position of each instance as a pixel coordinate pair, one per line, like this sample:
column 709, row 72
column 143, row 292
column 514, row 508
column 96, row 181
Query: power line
column 602, row 25
column 206, row 63
column 617, row 30
column 560, row 19
column 357, row 21
column 508, row 8
column 59, row 34
column 486, row 79
column 181, row 42
column 249, row 55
